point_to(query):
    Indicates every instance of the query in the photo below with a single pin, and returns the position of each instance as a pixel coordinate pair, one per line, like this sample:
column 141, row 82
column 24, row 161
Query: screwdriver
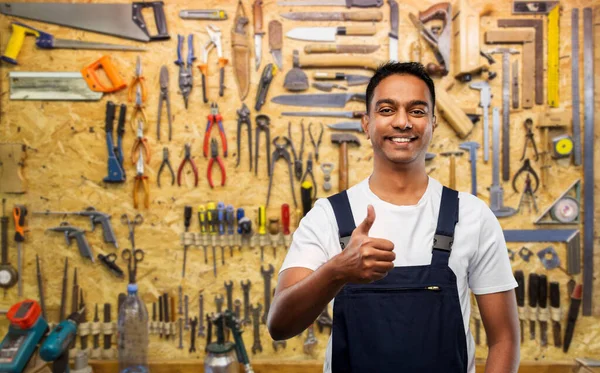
column 230, row 219
column 211, row 217
column 187, row 217
column 221, row 221
column 203, row 229
column 19, row 214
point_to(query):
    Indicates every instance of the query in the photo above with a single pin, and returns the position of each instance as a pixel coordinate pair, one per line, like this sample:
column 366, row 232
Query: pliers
column 187, row 158
column 297, row 157
column 281, row 152
column 214, row 155
column 138, row 79
column 309, row 172
column 215, row 42
column 262, row 125
column 244, row 119
column 185, row 71
column 141, row 180
column 214, row 117
column 140, row 144
column 164, row 97
column 166, row 162
column 315, row 143
column 138, row 110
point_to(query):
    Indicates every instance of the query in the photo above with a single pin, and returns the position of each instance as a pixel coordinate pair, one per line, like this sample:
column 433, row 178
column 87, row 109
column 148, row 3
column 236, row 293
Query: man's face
column 400, row 122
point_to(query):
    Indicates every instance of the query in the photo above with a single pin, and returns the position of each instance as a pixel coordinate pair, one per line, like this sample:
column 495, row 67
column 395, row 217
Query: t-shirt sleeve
column 490, row 270
column 312, row 242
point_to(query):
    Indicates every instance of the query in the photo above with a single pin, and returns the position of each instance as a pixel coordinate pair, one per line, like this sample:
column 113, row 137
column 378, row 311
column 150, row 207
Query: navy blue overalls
column 409, row 321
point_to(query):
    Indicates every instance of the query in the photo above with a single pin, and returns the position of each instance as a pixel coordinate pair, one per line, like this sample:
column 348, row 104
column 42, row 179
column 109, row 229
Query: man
column 401, row 279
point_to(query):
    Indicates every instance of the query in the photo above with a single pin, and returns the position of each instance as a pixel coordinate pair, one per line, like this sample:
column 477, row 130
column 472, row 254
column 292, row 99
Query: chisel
column 107, row 320
column 572, row 317
column 96, row 337
column 543, row 315
column 534, row 288
column 40, row 283
column 555, row 312
column 520, row 293
column 160, row 316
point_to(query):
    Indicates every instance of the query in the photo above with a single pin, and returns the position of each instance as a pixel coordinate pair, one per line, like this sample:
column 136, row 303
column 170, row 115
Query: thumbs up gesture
column 366, row 259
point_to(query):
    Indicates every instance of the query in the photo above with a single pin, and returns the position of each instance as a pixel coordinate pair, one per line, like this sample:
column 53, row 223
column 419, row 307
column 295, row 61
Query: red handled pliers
column 187, row 158
column 214, row 155
column 214, row 117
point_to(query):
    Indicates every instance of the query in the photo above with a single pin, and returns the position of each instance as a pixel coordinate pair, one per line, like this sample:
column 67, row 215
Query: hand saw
column 121, row 20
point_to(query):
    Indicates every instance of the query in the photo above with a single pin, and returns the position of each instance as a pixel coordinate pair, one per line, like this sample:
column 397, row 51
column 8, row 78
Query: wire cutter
column 140, row 143
column 141, row 180
column 165, row 162
column 164, row 97
column 138, row 79
column 215, row 42
column 185, row 70
column 244, row 119
column 309, row 172
column 281, row 152
column 187, row 158
column 529, row 138
column 214, row 156
column 138, row 110
column 214, row 117
column 318, row 142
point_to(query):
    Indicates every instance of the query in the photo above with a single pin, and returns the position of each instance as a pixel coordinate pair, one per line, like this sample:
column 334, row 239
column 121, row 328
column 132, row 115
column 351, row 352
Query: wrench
column 186, row 308
column 267, row 274
column 180, row 334
column 201, row 315
column 237, row 308
column 310, row 342
column 180, row 303
column 193, row 323
column 219, row 301
column 246, row 290
column 256, row 320
column 229, row 290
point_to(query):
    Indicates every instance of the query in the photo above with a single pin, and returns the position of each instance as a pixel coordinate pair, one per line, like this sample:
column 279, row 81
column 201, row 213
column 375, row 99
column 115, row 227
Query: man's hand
column 366, row 259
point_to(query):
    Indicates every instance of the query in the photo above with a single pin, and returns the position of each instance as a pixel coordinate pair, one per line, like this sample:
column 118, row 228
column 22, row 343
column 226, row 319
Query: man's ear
column 433, row 123
column 364, row 121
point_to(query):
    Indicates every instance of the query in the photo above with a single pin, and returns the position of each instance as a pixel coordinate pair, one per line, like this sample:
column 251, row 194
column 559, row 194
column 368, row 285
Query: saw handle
column 439, row 11
column 17, row 37
column 89, row 74
column 159, row 19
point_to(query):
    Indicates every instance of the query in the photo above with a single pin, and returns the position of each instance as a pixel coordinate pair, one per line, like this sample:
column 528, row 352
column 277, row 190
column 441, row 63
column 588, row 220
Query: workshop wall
column 66, row 162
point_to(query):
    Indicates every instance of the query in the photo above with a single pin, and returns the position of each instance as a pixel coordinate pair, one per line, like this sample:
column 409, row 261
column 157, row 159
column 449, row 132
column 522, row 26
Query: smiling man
column 400, row 254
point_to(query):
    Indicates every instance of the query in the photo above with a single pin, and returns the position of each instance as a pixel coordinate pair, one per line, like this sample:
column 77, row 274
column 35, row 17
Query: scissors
column 109, row 262
column 137, row 220
column 136, row 256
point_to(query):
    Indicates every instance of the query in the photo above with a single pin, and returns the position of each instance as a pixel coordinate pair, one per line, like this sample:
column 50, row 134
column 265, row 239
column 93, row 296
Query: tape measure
column 562, row 146
column 565, row 210
column 553, row 51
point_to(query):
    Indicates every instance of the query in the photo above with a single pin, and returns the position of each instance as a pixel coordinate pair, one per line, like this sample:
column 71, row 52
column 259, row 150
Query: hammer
column 452, row 155
column 342, row 139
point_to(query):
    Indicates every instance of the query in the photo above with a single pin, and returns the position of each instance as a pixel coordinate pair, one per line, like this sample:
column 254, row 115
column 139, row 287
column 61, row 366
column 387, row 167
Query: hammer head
column 472, row 147
column 339, row 138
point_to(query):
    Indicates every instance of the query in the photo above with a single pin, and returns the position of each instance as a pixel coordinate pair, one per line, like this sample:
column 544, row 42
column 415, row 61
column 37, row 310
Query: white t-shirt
column 479, row 258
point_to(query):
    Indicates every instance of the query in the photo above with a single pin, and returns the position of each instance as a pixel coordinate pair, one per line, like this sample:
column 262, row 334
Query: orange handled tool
column 105, row 63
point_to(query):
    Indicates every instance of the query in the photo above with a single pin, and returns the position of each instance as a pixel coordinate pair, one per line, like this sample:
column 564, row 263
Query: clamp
column 529, row 138
column 297, row 157
column 214, row 117
column 116, row 172
column 138, row 79
column 244, row 119
column 138, row 110
column 214, row 155
column 185, row 70
column 141, row 180
column 166, row 162
column 215, row 42
column 262, row 125
column 187, row 158
column 140, row 143
column 526, row 168
column 281, row 152
column 318, row 142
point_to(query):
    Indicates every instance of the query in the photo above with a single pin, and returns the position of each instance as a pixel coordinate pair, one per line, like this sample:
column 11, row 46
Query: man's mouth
column 402, row 139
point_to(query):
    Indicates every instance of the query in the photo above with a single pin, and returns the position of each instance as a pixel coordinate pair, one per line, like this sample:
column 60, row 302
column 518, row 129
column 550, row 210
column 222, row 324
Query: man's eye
column 385, row 110
column 417, row 112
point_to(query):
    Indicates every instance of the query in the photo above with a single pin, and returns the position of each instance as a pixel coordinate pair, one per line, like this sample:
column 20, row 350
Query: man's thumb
column 366, row 224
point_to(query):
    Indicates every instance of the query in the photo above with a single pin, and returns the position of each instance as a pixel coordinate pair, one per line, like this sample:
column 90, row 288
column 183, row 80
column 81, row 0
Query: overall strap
column 343, row 216
column 444, row 232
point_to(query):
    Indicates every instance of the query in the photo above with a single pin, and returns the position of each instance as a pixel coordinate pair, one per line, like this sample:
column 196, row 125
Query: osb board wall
column 66, row 162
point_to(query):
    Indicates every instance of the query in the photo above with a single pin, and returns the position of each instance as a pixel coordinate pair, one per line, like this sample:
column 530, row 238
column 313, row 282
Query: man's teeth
column 401, row 139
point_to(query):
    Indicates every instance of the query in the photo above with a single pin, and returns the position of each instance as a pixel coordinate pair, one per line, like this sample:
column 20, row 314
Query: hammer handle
column 343, row 167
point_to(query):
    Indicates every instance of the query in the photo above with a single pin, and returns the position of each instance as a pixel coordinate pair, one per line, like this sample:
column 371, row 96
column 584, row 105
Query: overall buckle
column 442, row 242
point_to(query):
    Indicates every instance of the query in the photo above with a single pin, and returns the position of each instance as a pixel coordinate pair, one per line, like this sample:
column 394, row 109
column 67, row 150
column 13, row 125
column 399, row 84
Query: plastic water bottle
column 133, row 333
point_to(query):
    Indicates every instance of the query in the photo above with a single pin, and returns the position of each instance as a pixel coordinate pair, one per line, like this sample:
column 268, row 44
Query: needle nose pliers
column 165, row 162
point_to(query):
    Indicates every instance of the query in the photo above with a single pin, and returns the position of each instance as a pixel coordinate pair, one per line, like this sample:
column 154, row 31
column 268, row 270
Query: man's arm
column 501, row 323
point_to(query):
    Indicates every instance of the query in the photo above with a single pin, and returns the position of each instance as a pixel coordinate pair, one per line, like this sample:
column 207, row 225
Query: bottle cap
column 132, row 288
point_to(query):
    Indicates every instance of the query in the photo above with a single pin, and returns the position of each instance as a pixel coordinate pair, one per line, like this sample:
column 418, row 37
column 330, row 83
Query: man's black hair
column 400, row 68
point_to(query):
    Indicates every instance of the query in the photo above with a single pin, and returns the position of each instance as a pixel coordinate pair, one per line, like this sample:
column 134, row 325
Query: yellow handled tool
column 44, row 40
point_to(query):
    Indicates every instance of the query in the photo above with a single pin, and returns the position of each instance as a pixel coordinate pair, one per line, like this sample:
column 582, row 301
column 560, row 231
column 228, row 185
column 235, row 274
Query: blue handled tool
column 56, row 345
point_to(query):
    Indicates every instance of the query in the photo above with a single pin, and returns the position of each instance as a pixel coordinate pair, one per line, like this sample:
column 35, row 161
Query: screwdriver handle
column 202, row 218
column 239, row 216
column 19, row 214
column 187, row 217
column 262, row 220
column 285, row 218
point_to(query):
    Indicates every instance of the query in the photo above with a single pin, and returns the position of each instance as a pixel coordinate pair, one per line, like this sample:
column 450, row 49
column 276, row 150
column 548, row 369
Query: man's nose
column 400, row 120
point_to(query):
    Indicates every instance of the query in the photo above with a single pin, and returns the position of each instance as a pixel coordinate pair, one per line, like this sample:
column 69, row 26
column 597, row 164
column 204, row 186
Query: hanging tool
column 515, row 84
column 308, row 189
column 393, row 34
column 572, row 315
column 340, row 48
column 356, row 16
column 82, row 85
column 187, row 218
column 452, row 167
column 214, row 118
column 520, row 294
column 543, row 314
column 562, row 146
column 276, row 42
column 74, row 299
column 132, row 257
column 505, row 109
column 327, row 169
column 529, row 171
column 45, row 40
column 71, row 233
column 575, row 97
column 550, row 120
column 327, row 87
column 257, row 12
column 244, row 120
column 211, row 219
column 496, row 190
column 472, row 147
column 205, row 14
column 214, row 156
column 533, row 7
column 342, row 139
column 139, row 113
column 164, row 97
column 137, row 82
column 556, row 313
column 553, row 56
column 527, row 195
column 141, row 180
column 319, row 100
column 329, row 33
column 185, row 70
column 63, row 296
column 351, row 79
column 485, row 99
column 329, row 114
column 215, row 42
column 116, row 172
column 40, row 284
column 8, row 275
column 262, row 125
column 297, row 157
column 281, row 152
column 565, row 209
column 109, row 263
column 529, row 138
column 140, row 145
column 203, row 222
column 317, row 143
column 440, row 43
column 240, row 51
column 187, row 158
column 166, row 162
column 347, row 126
column 346, row 3
column 466, row 43
column 268, row 73
column 19, row 214
column 533, row 294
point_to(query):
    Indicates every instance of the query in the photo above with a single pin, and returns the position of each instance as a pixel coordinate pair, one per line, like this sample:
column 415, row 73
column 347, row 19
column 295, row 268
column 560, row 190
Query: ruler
column 553, row 46
column 575, row 87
